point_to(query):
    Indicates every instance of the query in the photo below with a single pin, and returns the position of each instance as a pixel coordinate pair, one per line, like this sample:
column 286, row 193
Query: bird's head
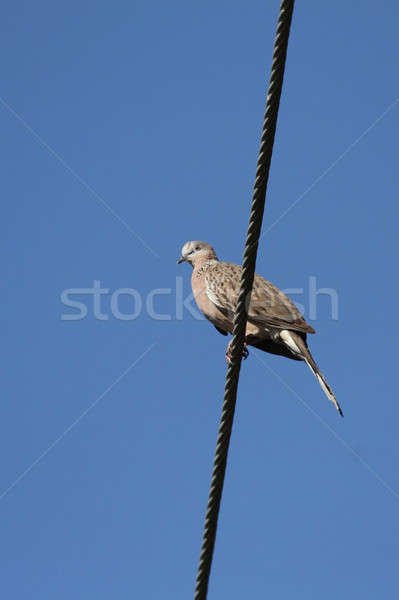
column 194, row 251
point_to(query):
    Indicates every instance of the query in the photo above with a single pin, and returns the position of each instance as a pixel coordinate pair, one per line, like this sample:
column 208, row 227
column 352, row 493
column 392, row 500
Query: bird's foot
column 245, row 352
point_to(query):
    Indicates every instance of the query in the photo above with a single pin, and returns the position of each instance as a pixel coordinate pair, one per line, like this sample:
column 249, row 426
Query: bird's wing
column 269, row 306
column 220, row 330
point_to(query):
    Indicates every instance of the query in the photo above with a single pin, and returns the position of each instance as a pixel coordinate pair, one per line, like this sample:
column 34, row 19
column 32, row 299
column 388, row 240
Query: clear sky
column 127, row 129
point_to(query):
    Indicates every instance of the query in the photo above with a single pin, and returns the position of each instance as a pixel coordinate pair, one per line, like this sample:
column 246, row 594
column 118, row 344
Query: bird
column 274, row 324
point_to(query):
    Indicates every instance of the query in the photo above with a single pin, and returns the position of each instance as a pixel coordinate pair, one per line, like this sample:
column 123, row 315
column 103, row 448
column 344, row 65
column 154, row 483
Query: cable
column 247, row 277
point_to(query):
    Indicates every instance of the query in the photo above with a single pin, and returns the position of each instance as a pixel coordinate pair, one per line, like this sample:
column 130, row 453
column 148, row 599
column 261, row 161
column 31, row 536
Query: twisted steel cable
column 247, row 277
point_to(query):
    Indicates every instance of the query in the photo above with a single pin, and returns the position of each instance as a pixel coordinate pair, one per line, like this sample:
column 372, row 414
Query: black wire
column 247, row 277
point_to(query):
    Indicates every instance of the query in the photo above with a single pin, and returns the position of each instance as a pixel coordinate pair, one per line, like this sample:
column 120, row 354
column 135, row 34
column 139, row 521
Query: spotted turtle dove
column 274, row 323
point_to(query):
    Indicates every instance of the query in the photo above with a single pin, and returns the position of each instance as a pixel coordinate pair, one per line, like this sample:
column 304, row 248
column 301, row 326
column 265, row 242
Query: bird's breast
column 205, row 304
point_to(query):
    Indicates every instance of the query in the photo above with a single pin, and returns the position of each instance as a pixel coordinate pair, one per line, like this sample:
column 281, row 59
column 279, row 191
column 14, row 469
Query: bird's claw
column 245, row 353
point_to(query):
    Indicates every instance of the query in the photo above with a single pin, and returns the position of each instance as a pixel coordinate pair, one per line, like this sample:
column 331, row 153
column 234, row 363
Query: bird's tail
column 294, row 339
column 323, row 382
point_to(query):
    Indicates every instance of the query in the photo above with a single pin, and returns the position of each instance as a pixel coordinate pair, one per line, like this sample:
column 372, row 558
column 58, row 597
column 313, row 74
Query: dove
column 274, row 323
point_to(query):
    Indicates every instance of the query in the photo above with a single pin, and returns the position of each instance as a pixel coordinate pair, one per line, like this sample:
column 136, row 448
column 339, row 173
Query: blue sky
column 127, row 129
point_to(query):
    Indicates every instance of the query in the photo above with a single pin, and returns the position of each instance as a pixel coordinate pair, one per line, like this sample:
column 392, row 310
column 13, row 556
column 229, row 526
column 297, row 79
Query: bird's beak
column 180, row 260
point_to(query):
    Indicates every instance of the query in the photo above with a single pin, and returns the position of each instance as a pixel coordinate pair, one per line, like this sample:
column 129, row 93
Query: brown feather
column 269, row 306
